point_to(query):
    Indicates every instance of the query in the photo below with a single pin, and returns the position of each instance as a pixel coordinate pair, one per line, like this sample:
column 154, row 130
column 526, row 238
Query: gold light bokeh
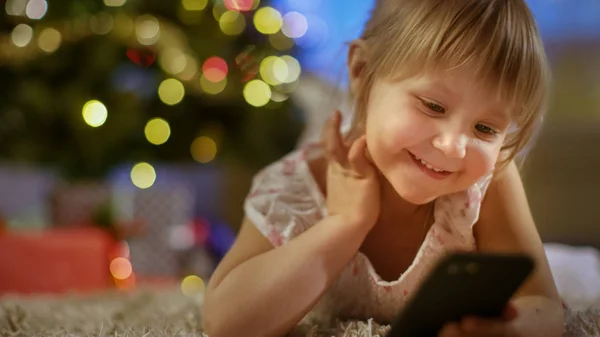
column 267, row 20
column 192, row 286
column 171, row 91
column 120, row 268
column 204, row 149
column 273, row 70
column 49, row 40
column 94, row 113
column 21, row 35
column 157, row 131
column 212, row 88
column 194, row 5
column 143, row 175
column 232, row 23
column 257, row 93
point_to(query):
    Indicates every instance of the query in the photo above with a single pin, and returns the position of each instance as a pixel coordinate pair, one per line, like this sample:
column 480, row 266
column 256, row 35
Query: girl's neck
column 394, row 208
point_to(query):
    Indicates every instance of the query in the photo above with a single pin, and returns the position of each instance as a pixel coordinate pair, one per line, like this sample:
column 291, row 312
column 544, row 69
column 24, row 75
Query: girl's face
column 434, row 134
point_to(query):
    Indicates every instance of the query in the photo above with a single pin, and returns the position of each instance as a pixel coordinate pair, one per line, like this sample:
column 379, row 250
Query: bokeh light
column 94, row 113
column 215, row 69
column 281, row 42
column 294, row 25
column 114, row 3
column 267, row 20
column 278, row 97
column 218, row 10
column 273, row 70
column 21, row 35
column 15, row 7
column 192, row 286
column 143, row 175
column 36, row 9
column 157, row 131
column 211, row 87
column 257, row 93
column 101, row 23
column 49, row 40
column 172, row 60
column 232, row 23
column 194, row 5
column 171, row 91
column 147, row 29
column 190, row 70
column 203, row 149
column 120, row 268
column 293, row 68
column 240, row 5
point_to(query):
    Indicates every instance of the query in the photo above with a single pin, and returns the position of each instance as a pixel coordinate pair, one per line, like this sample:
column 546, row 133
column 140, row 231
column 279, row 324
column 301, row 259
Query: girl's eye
column 485, row 129
column 435, row 107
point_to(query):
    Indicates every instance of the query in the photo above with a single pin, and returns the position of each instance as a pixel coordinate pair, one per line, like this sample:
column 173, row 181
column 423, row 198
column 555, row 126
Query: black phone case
column 462, row 284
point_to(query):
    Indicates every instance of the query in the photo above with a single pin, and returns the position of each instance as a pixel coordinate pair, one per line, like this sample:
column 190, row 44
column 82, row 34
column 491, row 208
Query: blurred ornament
column 142, row 57
column 239, row 5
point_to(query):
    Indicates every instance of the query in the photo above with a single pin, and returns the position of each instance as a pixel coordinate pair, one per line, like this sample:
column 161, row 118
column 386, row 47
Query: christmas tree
column 86, row 85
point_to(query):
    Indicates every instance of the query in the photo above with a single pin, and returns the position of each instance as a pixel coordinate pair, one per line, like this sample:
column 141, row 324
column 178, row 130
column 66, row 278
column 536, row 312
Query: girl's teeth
column 429, row 166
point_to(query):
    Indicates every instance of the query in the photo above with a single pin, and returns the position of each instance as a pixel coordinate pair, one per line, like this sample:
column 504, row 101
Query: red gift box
column 54, row 261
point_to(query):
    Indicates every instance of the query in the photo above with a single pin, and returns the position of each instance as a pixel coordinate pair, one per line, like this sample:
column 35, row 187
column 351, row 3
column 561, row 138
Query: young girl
column 446, row 93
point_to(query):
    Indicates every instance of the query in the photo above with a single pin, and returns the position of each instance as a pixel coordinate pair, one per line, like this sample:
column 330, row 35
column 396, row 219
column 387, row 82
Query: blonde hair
column 496, row 40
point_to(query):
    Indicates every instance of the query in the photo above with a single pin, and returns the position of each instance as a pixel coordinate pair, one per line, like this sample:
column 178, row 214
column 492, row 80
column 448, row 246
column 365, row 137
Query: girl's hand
column 352, row 183
column 483, row 327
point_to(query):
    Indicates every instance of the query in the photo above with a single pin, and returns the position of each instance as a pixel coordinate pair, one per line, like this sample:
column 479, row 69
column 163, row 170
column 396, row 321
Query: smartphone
column 462, row 284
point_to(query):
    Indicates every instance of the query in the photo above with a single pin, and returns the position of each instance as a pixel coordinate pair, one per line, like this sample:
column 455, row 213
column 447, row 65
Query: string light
column 101, row 23
column 273, row 70
column 194, row 5
column 21, row 35
column 49, row 40
column 294, row 25
column 280, row 41
column 232, row 23
column 172, row 60
column 171, row 91
column 215, row 69
column 15, row 7
column 240, row 5
column 211, row 87
column 192, row 286
column 94, row 113
column 267, row 20
column 120, row 268
column 114, row 3
column 147, row 29
column 143, row 175
column 204, row 149
column 257, row 93
column 293, row 69
column 36, row 9
column 157, row 131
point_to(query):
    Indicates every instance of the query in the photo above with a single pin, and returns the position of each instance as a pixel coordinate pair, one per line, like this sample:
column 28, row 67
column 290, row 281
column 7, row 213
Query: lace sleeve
column 280, row 203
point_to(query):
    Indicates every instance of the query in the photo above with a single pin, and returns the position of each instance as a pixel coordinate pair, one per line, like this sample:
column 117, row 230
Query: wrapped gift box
column 55, row 260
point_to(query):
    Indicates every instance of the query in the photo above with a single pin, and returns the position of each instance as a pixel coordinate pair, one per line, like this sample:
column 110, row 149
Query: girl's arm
column 261, row 291
column 506, row 225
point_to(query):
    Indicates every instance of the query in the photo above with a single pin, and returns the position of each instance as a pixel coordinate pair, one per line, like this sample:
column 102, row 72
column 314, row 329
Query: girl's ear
column 357, row 59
